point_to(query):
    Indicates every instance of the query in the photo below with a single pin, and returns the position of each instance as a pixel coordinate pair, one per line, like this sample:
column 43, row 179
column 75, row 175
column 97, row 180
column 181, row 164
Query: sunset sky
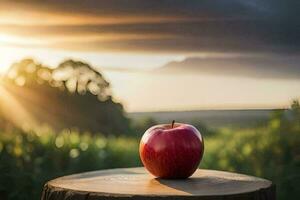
column 168, row 54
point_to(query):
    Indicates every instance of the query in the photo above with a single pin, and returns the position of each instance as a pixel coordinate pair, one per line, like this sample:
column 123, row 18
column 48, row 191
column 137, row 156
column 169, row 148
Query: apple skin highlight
column 171, row 151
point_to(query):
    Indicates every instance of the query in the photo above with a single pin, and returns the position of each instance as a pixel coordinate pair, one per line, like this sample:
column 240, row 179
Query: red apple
column 171, row 151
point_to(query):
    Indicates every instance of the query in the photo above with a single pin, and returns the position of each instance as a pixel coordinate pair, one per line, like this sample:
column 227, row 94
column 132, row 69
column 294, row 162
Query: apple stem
column 173, row 122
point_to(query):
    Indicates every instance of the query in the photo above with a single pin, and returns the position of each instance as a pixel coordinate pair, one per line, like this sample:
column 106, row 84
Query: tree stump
column 138, row 184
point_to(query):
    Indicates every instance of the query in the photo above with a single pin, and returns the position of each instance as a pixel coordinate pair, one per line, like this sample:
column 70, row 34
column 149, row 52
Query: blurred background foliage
column 81, row 128
column 73, row 94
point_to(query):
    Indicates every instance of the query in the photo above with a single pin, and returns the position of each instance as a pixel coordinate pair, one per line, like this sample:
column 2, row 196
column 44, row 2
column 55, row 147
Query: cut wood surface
column 137, row 183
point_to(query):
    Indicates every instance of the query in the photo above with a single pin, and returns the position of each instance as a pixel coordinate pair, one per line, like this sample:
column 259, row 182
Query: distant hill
column 283, row 67
column 210, row 118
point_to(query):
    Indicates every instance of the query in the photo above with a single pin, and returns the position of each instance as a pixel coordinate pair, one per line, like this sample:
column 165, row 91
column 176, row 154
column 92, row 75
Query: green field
column 29, row 159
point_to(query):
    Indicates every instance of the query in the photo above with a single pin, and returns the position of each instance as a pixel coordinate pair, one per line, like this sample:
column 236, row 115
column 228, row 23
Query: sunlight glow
column 13, row 111
column 15, row 40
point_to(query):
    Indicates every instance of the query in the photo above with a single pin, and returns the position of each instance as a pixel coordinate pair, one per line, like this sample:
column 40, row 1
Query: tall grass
column 28, row 159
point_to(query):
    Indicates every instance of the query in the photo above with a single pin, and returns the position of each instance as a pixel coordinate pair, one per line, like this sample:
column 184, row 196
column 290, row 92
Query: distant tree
column 28, row 71
column 80, row 77
column 73, row 94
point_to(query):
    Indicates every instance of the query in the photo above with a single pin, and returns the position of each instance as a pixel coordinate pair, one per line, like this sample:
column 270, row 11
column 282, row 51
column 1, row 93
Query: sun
column 8, row 50
column 11, row 49
column 16, row 40
column 11, row 40
column 8, row 56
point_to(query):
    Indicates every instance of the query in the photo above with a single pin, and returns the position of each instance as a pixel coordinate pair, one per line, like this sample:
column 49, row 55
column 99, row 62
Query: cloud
column 160, row 26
